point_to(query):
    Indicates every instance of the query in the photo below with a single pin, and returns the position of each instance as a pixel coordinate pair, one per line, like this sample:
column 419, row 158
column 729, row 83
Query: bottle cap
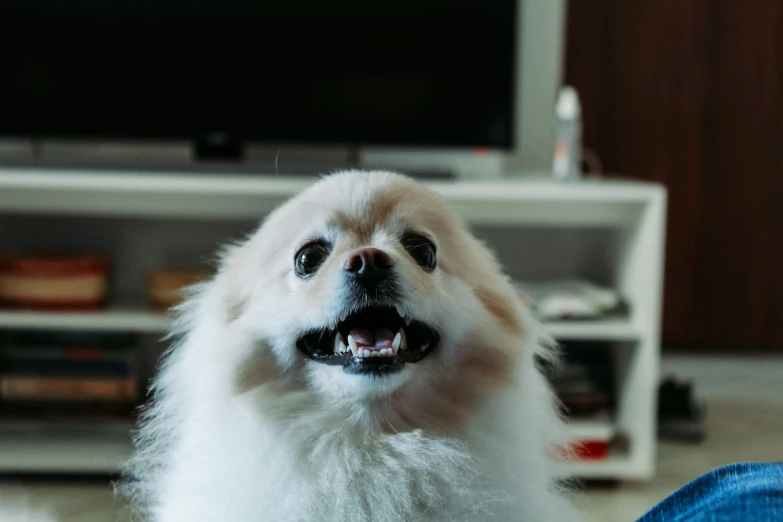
column 567, row 107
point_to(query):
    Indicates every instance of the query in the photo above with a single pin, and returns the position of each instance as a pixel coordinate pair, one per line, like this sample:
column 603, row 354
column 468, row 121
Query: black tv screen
column 393, row 72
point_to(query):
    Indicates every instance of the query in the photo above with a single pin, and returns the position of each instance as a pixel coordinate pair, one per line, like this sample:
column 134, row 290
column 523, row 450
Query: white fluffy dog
column 361, row 357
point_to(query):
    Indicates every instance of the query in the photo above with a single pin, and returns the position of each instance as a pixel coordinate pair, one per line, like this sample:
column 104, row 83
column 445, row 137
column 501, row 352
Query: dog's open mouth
column 374, row 340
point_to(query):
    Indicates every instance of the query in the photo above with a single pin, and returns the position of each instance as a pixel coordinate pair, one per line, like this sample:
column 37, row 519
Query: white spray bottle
column 568, row 136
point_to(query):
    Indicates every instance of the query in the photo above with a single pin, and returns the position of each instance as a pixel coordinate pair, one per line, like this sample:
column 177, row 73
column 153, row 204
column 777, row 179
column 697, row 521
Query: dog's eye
column 421, row 249
column 309, row 258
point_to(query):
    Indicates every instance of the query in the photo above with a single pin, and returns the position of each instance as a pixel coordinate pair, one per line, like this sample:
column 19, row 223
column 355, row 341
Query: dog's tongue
column 378, row 338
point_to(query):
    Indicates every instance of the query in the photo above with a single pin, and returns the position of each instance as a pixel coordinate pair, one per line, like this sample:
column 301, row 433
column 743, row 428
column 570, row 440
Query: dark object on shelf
column 680, row 416
column 430, row 174
column 68, row 410
column 580, row 405
column 67, row 371
column 600, row 484
column 66, row 367
column 48, row 343
column 585, row 382
column 218, row 146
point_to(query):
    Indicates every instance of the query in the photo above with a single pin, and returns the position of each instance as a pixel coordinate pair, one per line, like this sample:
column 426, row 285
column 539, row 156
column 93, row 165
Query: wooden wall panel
column 689, row 94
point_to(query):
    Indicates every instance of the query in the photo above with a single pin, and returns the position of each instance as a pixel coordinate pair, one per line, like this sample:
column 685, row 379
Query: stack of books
column 585, row 386
column 67, row 373
column 585, row 382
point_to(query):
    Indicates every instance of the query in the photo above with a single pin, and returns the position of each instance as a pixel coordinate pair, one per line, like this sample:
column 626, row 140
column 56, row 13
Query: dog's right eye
column 309, row 258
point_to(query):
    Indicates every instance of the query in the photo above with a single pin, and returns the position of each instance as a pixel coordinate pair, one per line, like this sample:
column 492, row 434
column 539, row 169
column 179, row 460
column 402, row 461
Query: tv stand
column 608, row 231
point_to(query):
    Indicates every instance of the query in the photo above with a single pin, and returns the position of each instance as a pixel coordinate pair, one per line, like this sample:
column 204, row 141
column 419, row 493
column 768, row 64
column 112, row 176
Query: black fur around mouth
column 418, row 341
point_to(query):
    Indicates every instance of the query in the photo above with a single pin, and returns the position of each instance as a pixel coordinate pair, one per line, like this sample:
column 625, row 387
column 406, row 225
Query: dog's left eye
column 421, row 249
column 309, row 258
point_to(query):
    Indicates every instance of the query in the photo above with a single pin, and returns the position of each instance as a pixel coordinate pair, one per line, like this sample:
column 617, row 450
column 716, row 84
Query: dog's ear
column 503, row 305
column 234, row 283
column 477, row 266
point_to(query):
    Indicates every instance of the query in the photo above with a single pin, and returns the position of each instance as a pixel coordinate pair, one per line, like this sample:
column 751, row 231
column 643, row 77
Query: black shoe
column 680, row 416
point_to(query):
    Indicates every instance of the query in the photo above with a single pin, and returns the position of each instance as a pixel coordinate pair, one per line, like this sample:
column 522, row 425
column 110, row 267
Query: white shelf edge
column 629, row 191
column 231, row 196
column 120, row 318
column 613, row 467
column 598, row 429
column 599, row 330
column 140, row 319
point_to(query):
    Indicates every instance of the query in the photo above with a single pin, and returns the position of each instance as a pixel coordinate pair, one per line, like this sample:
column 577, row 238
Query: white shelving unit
column 140, row 319
column 613, row 231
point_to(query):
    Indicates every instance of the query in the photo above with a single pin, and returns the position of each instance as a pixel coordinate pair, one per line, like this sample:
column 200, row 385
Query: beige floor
column 745, row 418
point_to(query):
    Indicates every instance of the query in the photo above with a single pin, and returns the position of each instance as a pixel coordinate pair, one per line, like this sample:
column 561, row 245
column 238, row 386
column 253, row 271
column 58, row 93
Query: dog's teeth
column 387, row 352
column 403, row 340
column 407, row 320
column 366, row 353
column 352, row 345
column 343, row 316
column 339, row 344
column 396, row 342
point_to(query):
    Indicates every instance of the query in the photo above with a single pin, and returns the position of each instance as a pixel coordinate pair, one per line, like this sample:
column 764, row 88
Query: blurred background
column 624, row 159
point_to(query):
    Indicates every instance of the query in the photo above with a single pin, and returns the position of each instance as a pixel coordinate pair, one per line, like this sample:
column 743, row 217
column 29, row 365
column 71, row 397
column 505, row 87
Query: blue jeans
column 745, row 492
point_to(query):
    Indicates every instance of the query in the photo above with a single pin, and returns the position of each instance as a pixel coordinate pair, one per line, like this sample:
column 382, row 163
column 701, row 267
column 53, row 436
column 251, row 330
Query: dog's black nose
column 369, row 266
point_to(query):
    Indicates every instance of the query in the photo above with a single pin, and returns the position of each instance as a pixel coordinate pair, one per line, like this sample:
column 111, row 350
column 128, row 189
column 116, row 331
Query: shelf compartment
column 64, row 447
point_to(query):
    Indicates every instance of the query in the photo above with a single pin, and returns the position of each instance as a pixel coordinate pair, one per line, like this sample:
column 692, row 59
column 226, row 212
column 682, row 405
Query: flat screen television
column 357, row 72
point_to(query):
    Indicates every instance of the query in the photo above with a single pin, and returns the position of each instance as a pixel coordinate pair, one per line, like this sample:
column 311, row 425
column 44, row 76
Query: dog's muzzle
column 372, row 340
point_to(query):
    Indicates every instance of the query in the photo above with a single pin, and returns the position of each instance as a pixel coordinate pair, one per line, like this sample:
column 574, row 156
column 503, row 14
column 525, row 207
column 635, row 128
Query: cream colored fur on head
column 245, row 428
